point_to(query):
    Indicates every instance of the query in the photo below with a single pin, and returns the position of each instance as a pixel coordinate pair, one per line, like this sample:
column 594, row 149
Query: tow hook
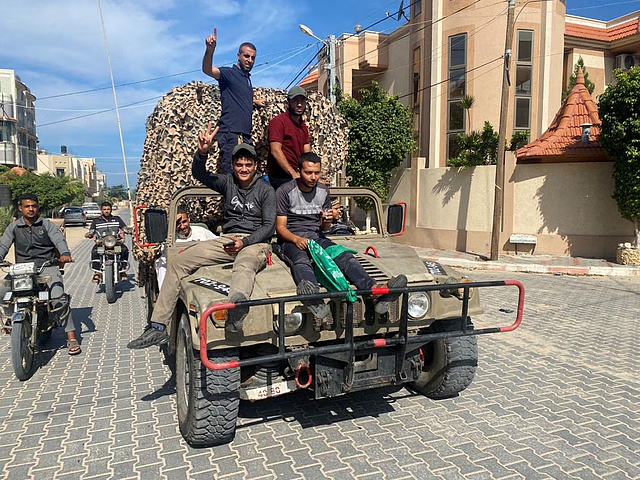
column 306, row 369
column 417, row 362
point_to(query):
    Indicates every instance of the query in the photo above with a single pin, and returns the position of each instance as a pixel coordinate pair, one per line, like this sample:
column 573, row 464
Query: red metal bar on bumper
column 520, row 310
column 202, row 334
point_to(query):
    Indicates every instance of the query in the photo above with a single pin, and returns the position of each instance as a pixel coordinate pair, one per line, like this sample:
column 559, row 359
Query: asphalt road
column 557, row 398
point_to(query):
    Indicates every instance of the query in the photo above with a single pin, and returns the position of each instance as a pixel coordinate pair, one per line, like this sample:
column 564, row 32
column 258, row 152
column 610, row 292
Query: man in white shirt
column 185, row 232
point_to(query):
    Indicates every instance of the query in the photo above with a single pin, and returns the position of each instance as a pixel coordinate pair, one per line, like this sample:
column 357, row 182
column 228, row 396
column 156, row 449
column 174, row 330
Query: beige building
column 80, row 168
column 450, row 49
column 18, row 139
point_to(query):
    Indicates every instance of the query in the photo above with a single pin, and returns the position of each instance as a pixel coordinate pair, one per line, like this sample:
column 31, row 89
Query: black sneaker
column 150, row 337
column 236, row 316
column 320, row 310
column 384, row 302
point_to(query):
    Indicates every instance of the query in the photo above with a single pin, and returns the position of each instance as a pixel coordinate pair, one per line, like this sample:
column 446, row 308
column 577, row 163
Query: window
column 417, row 8
column 523, row 76
column 416, row 77
column 456, row 89
column 59, row 172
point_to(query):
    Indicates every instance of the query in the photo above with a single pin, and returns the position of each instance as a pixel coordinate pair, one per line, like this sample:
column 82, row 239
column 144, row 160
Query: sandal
column 73, row 347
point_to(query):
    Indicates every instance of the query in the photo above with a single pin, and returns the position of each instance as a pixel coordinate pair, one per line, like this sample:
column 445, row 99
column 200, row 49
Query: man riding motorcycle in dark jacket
column 36, row 240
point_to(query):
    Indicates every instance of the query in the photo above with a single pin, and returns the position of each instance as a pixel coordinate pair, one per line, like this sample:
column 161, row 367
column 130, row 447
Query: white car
column 92, row 210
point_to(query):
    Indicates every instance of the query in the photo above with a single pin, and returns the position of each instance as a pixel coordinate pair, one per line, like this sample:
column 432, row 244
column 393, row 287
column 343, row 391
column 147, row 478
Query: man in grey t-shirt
column 304, row 212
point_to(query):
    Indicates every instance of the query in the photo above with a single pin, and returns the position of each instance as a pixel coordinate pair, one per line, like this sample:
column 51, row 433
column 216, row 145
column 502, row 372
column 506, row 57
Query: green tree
column 620, row 137
column 476, row 148
column 52, row 191
column 380, row 136
column 117, row 191
column 466, row 102
column 6, row 215
column 572, row 79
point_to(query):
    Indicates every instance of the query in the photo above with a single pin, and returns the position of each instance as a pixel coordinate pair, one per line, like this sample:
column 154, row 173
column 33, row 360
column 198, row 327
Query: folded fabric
column 327, row 272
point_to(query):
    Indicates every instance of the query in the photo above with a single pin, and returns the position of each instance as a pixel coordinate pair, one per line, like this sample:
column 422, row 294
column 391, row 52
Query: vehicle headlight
column 418, row 305
column 20, row 284
column 292, row 323
column 109, row 241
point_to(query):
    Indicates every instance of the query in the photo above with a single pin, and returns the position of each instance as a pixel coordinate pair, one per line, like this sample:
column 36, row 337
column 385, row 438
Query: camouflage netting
column 172, row 135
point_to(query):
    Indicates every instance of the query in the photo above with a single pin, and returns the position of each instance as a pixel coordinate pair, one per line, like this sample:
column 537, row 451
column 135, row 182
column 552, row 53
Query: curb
column 621, row 271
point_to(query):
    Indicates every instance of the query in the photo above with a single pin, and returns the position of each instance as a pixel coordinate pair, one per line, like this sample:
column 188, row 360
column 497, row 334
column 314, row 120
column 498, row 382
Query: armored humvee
column 426, row 340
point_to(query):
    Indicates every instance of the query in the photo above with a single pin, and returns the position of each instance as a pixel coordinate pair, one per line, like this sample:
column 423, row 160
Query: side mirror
column 155, row 224
column 396, row 217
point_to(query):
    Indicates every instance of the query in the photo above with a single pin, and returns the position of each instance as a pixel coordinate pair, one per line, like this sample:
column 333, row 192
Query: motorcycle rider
column 36, row 240
column 108, row 221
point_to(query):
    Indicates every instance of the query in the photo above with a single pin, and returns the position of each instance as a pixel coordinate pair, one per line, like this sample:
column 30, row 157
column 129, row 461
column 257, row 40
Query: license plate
column 272, row 390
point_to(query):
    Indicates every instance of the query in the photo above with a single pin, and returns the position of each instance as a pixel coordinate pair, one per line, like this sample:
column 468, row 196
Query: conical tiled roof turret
column 563, row 140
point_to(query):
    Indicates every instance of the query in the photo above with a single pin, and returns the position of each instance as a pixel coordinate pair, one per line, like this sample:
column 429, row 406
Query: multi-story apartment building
column 18, row 139
column 450, row 49
column 80, row 168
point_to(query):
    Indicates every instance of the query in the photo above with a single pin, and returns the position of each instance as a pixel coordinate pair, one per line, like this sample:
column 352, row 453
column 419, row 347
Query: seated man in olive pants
column 247, row 201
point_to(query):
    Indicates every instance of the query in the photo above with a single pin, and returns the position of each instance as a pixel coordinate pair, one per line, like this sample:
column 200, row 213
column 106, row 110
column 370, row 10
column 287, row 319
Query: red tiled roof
column 608, row 34
column 562, row 142
column 309, row 79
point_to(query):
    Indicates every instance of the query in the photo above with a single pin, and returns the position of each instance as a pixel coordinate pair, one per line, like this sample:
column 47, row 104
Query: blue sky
column 57, row 49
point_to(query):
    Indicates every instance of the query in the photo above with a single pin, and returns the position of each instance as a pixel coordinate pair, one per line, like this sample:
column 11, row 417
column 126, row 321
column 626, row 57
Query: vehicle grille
column 363, row 312
column 372, row 269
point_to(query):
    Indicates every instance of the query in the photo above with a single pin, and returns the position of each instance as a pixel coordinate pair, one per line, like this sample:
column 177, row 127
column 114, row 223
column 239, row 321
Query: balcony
column 7, row 153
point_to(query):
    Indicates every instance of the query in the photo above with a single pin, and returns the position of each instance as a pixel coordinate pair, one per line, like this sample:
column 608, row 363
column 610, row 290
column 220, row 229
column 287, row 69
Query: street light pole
column 330, row 45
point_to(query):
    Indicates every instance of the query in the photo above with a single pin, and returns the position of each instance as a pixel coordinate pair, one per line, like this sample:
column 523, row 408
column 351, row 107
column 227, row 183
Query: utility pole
column 331, row 67
column 498, row 201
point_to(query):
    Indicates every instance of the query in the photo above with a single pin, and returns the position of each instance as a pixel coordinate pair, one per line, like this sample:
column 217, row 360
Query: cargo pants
column 246, row 264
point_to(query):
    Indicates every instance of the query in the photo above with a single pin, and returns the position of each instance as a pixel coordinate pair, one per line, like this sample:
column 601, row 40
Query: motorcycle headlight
column 418, row 305
column 109, row 241
column 20, row 284
column 292, row 323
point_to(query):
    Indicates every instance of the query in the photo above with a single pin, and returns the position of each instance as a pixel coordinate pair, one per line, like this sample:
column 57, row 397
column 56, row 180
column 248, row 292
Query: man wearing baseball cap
column 288, row 139
column 249, row 221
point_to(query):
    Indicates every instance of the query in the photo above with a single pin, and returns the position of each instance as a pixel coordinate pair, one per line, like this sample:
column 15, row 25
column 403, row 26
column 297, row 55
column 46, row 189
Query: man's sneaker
column 321, row 311
column 123, row 276
column 236, row 316
column 384, row 302
column 150, row 337
column 96, row 278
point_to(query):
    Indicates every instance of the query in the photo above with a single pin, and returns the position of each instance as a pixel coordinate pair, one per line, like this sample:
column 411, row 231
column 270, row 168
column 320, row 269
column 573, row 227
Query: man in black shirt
column 108, row 222
column 36, row 240
column 249, row 220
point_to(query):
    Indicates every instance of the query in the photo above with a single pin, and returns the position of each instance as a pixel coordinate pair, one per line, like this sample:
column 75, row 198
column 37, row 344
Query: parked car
column 92, row 210
column 74, row 216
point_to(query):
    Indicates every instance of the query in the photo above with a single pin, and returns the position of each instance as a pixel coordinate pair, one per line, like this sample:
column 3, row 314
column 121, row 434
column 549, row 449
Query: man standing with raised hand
column 236, row 95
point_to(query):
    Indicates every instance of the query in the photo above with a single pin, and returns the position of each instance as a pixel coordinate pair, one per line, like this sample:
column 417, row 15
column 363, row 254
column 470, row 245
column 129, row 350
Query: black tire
column 450, row 363
column 207, row 400
column 21, row 350
column 109, row 282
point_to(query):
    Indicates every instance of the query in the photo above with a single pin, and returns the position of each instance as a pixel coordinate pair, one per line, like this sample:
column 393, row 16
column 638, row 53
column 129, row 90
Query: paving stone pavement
column 557, row 398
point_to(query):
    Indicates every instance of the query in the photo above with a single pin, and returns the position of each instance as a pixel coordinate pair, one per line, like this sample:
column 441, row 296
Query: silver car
column 92, row 210
column 74, row 216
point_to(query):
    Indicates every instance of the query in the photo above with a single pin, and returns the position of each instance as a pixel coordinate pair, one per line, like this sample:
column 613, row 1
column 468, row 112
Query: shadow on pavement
column 301, row 406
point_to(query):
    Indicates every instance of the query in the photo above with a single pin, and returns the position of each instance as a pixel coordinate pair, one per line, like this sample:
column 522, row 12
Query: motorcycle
column 110, row 257
column 32, row 320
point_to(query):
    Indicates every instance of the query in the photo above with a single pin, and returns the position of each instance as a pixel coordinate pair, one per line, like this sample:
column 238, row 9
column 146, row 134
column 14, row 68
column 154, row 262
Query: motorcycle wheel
column 110, row 283
column 21, row 350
